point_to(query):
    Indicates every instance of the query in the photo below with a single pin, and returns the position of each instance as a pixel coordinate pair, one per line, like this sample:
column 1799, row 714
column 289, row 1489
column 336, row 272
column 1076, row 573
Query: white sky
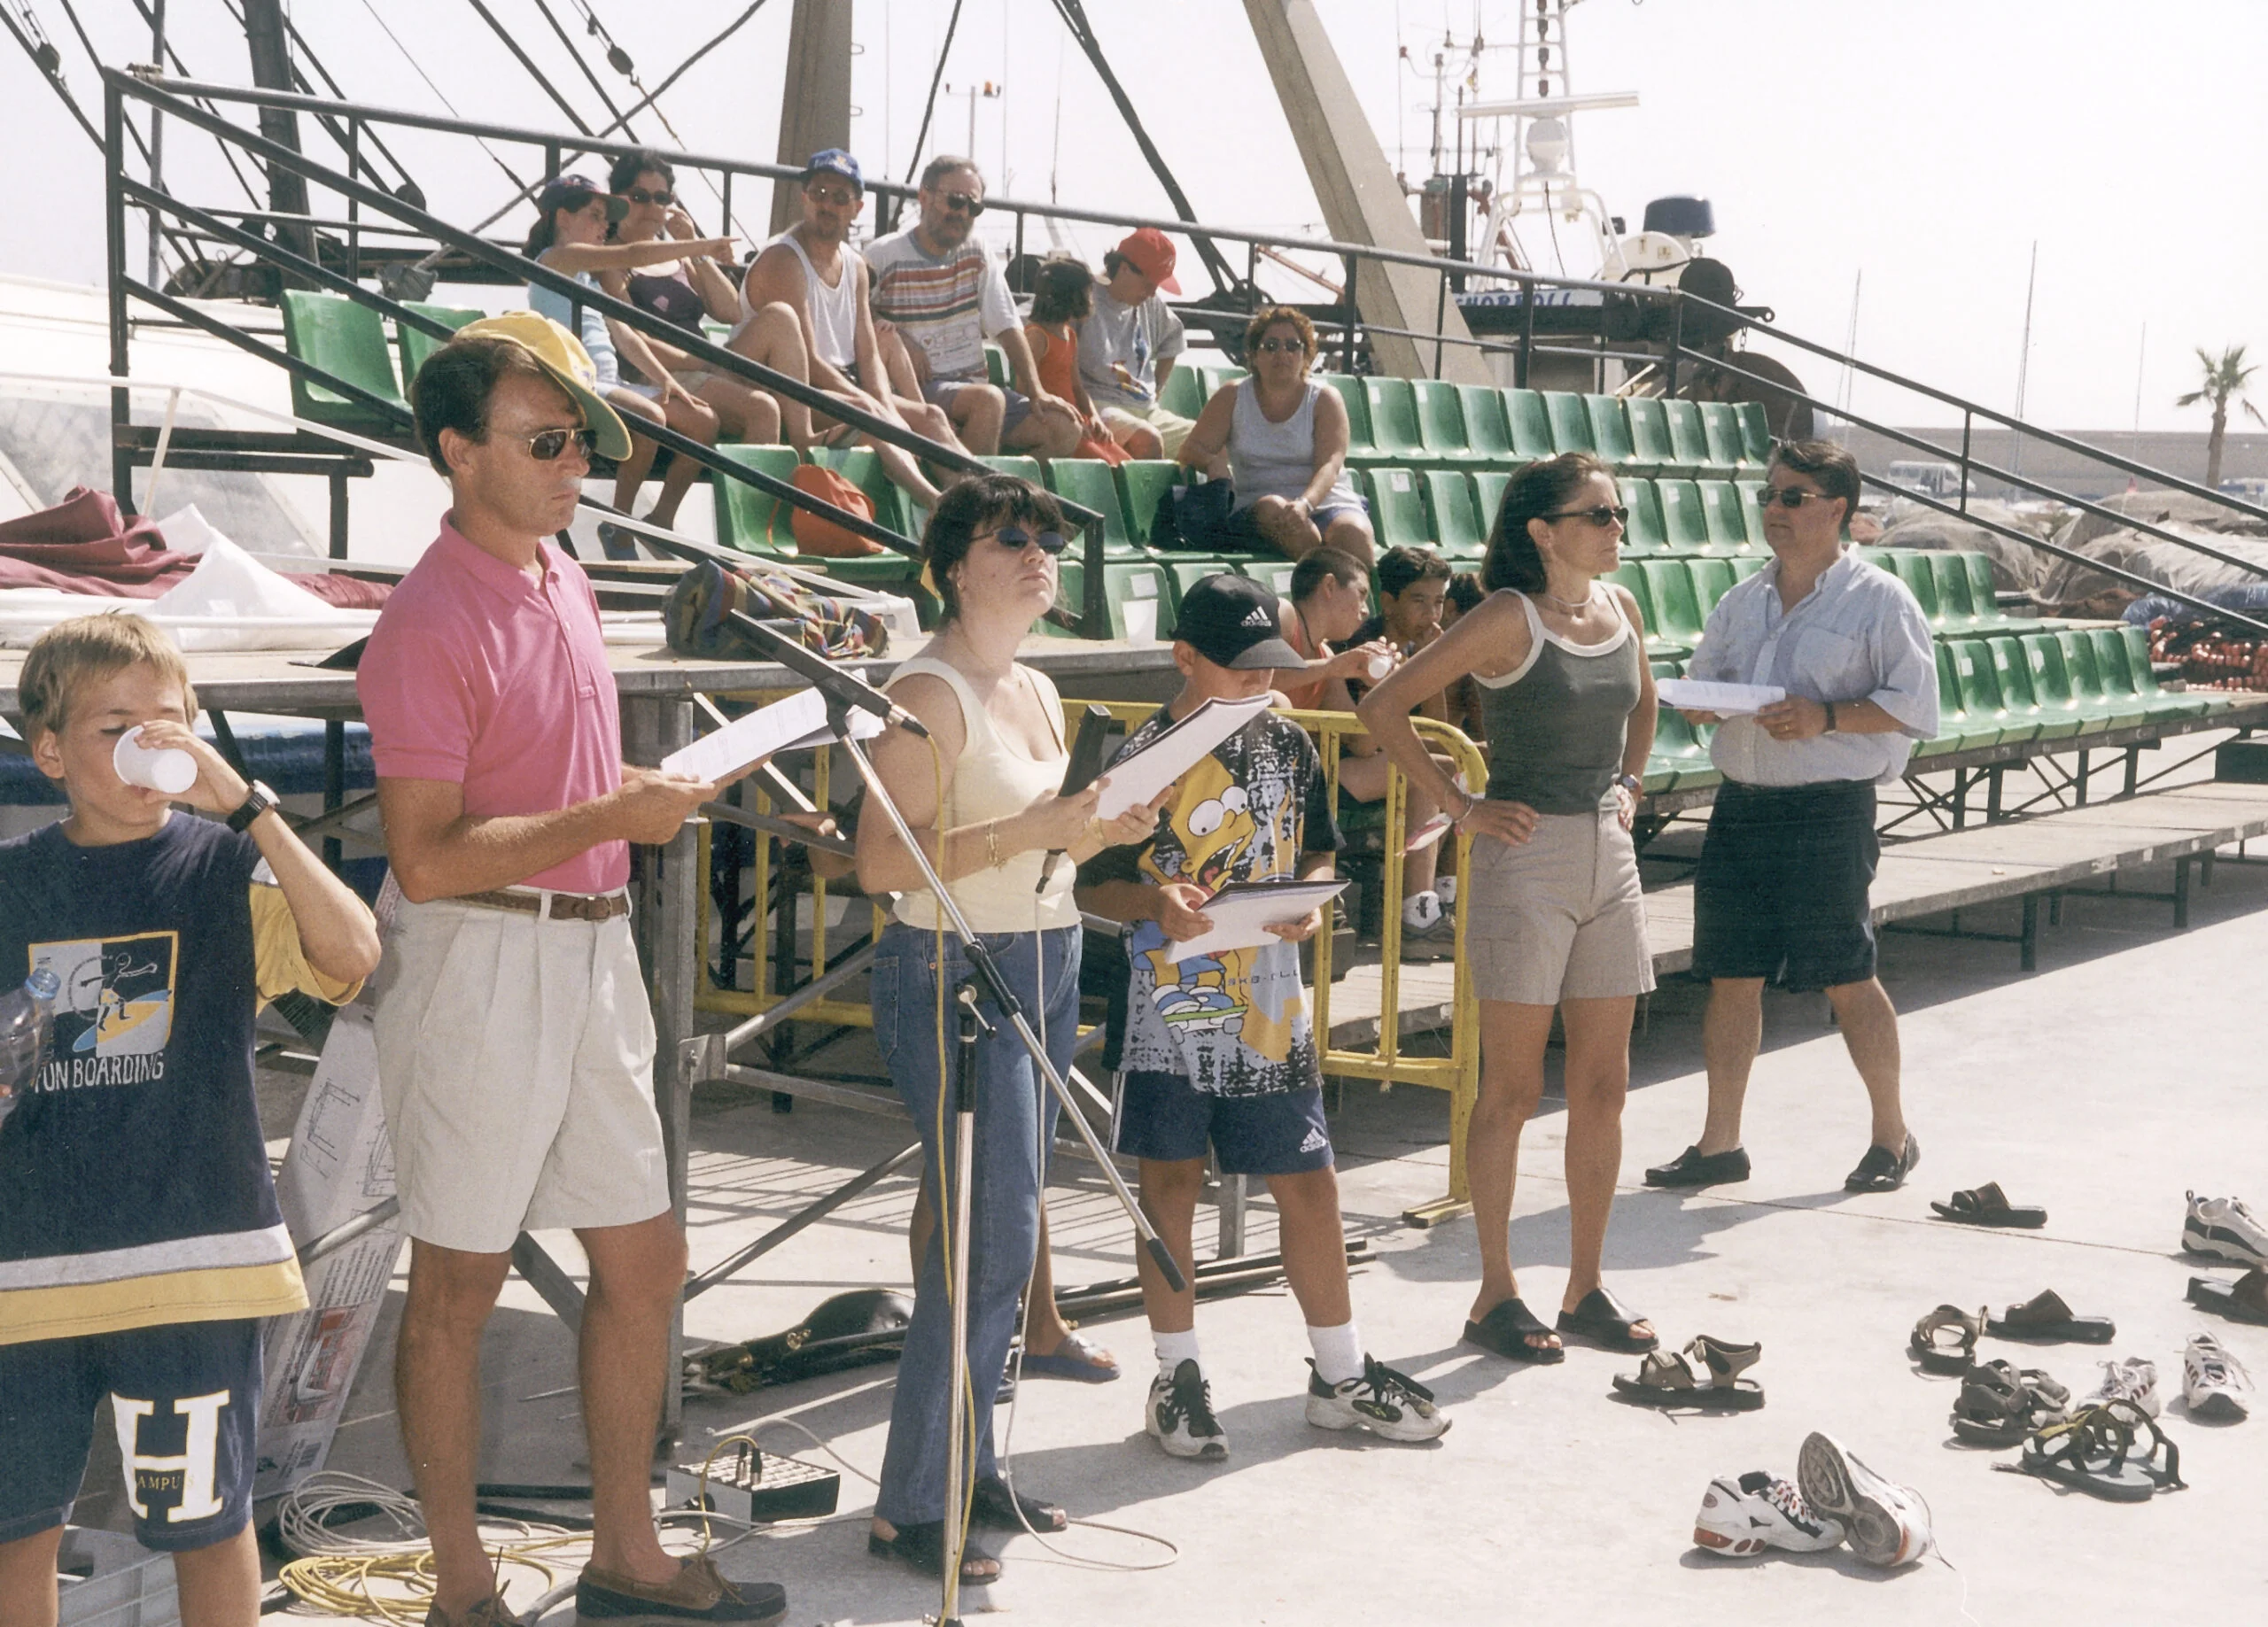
column 1927, row 143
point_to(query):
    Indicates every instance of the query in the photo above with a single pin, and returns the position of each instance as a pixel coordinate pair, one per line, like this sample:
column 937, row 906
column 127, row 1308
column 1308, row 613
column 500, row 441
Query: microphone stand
column 846, row 693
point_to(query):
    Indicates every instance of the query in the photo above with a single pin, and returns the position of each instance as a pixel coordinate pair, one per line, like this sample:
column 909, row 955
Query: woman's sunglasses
column 964, row 203
column 545, row 446
column 1015, row 538
column 1791, row 497
column 1270, row 347
column 1602, row 516
column 639, row 195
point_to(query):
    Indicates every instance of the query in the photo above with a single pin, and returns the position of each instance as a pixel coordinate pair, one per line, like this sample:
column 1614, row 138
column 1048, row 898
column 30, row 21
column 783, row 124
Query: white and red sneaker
column 1885, row 1523
column 1759, row 1511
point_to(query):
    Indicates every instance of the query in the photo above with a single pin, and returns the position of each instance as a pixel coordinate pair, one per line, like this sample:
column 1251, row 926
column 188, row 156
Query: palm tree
column 2224, row 379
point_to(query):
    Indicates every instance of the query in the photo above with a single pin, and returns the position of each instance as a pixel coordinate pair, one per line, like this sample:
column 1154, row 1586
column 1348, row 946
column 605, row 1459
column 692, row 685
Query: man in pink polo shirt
column 516, row 1045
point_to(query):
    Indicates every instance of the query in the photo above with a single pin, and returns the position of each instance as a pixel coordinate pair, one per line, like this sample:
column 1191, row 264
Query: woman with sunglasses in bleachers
column 980, row 796
column 1285, row 434
column 1553, row 917
column 572, row 219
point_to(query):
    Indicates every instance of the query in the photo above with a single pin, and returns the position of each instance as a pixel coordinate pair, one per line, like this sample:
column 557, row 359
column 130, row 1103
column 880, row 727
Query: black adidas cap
column 1232, row 621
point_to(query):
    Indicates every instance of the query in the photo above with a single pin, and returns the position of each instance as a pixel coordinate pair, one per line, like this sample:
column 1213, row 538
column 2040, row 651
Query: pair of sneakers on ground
column 1391, row 1406
column 1835, row 1498
column 2214, row 1383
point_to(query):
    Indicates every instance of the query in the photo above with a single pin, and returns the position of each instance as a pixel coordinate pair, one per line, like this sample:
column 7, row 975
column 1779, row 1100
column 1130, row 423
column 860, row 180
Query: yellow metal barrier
column 1458, row 1072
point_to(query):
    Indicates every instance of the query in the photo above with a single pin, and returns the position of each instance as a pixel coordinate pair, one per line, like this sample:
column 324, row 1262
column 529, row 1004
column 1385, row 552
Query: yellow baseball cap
column 562, row 356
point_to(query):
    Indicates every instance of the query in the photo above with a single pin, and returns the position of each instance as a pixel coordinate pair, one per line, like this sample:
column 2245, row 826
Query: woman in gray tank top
column 1553, row 919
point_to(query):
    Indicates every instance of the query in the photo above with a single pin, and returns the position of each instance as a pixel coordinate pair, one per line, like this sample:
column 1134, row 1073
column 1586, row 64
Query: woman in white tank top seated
column 981, row 794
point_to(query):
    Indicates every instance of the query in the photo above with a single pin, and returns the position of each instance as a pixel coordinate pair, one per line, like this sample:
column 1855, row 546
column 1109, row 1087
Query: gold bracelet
column 992, row 848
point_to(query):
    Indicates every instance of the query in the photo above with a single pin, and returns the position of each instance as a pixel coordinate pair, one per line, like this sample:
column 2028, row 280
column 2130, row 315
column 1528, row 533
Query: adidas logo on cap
column 1259, row 617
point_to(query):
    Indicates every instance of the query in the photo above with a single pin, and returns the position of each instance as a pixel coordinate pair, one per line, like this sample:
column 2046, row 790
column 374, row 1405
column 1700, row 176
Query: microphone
column 846, row 687
column 1083, row 769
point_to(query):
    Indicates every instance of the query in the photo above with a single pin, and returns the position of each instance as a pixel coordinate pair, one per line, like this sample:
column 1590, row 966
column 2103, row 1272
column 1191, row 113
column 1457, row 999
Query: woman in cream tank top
column 996, row 746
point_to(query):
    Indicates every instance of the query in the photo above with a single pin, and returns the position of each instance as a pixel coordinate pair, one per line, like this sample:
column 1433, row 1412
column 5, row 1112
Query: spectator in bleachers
column 1063, row 296
column 1554, row 919
column 810, row 272
column 1330, row 592
column 685, row 290
column 936, row 285
column 1285, row 436
column 1127, row 345
column 1782, row 893
column 572, row 220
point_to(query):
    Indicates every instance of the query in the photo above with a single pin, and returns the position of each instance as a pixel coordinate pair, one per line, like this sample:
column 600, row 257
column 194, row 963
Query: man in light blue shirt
column 1782, row 893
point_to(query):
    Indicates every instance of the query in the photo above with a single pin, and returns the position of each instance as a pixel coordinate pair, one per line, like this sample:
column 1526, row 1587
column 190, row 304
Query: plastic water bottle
column 160, row 767
column 26, row 1015
column 1380, row 665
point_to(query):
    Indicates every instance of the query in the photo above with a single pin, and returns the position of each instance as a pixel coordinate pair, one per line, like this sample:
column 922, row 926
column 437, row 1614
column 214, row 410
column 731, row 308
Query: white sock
column 1445, row 889
column 1338, row 1351
column 1173, row 1349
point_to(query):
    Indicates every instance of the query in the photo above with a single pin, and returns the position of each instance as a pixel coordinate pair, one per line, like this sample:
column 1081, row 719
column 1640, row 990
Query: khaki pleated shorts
column 516, row 1056
column 1559, row 917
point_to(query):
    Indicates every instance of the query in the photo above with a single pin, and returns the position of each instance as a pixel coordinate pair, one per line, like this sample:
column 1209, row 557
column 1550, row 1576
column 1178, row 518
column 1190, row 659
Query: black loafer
column 1695, row 1167
column 1882, row 1170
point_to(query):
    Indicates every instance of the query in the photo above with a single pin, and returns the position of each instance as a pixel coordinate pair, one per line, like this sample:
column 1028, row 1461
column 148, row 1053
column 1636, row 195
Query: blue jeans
column 1016, row 1122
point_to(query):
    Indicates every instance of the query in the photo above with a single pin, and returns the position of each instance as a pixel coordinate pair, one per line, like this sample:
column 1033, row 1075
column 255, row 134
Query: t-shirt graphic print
column 114, row 1011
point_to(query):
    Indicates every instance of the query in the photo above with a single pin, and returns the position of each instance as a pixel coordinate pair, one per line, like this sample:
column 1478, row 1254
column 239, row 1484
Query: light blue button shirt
column 1859, row 635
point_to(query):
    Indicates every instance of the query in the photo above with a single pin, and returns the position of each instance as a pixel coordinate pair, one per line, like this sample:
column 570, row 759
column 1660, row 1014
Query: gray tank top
column 1557, row 726
column 1276, row 460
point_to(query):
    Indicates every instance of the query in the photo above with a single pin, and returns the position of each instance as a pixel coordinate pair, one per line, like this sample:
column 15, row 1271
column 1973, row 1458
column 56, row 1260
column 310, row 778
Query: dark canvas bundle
column 849, row 1330
column 706, row 595
column 1192, row 518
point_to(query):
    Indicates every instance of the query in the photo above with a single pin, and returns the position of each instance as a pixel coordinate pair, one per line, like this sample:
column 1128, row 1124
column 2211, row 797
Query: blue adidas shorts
column 1163, row 1116
column 187, row 1398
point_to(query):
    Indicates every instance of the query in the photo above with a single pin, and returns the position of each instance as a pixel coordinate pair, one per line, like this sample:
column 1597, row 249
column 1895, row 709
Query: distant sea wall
column 2178, row 452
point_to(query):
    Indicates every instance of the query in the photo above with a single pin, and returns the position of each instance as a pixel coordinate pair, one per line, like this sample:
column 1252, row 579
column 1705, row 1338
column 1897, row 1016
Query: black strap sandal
column 1603, row 1319
column 2044, row 1316
column 2000, row 1404
column 1988, row 1206
column 922, row 1546
column 1673, row 1378
column 1939, row 1354
column 2094, row 1451
column 2244, row 1300
column 1504, row 1331
column 999, row 1507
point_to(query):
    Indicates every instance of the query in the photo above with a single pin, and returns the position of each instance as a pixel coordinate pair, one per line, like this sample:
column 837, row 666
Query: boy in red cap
column 1128, row 343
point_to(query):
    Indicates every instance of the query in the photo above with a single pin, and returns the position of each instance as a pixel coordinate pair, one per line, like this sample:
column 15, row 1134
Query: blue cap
column 835, row 161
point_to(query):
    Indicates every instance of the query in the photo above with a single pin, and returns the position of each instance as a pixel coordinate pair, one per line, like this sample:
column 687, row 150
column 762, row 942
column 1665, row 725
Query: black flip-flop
column 1504, row 1332
column 1988, row 1206
column 2045, row 1316
column 2093, row 1450
column 922, row 1546
column 996, row 1508
column 2244, row 1300
column 1603, row 1319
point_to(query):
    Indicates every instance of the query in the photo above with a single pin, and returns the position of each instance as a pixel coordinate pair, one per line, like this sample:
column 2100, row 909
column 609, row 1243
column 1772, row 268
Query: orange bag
column 824, row 539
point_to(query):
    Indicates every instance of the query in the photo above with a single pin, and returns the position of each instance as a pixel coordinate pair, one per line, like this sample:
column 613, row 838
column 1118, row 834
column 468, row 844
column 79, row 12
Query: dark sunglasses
column 639, row 195
column 964, row 203
column 1602, row 516
column 1789, row 497
column 545, row 446
column 1269, row 347
column 1015, row 538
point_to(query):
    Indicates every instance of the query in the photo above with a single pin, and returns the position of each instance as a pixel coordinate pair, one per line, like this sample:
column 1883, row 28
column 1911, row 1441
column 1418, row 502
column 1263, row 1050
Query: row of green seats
column 1432, row 423
column 1676, row 595
column 2009, row 689
column 1453, row 511
column 1189, row 386
column 347, row 340
column 1955, row 589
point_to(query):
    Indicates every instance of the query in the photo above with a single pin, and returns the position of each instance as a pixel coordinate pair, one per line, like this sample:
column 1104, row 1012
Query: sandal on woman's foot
column 1000, row 1508
column 1988, row 1206
column 1078, row 1358
column 1670, row 1378
column 1603, row 1319
column 1935, row 1351
column 1506, row 1330
column 922, row 1546
column 2045, row 1316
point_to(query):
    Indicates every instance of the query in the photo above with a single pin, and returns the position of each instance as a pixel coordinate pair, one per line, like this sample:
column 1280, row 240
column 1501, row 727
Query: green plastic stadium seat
column 2051, row 684
column 1713, row 579
column 1142, row 482
column 1721, row 433
column 1755, row 433
column 1571, row 422
column 1275, row 575
column 2123, row 708
column 415, row 346
column 1912, row 566
column 1982, row 593
column 1440, row 422
column 1643, row 533
column 1358, row 410
column 1009, row 464
column 1680, row 755
column 1633, row 577
column 1488, row 497
column 1610, row 428
column 1186, row 570
column 2012, row 669
column 1457, row 527
column 1746, row 565
column 1684, row 527
column 347, row 341
column 1488, row 432
column 752, row 521
column 1949, row 582
column 996, row 364
column 1223, row 374
column 1722, row 518
column 1650, row 452
column 1089, row 482
column 1688, row 442
column 1134, row 592
column 1184, row 392
column 1393, row 421
column 2162, row 702
column 1953, row 719
column 1398, row 508
column 1981, row 697
column 1678, row 617
column 1751, row 512
column 1530, row 419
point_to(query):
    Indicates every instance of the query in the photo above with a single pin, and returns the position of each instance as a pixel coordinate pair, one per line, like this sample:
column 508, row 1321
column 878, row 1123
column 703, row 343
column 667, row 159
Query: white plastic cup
column 166, row 768
column 1380, row 665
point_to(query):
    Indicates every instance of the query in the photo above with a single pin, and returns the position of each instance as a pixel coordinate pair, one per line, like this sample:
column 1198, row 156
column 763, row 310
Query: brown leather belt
column 564, row 906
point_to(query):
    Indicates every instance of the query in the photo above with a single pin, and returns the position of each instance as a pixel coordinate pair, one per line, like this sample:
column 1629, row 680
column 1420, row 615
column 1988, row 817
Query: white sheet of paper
column 1140, row 777
column 1693, row 694
column 1242, row 911
column 793, row 725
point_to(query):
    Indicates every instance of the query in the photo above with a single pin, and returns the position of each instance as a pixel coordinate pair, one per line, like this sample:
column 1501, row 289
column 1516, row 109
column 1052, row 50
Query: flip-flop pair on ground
column 2114, row 1451
column 1598, row 1318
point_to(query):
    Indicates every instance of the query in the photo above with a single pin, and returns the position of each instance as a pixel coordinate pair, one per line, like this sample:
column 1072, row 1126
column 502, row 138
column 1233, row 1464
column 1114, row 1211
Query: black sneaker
column 1695, row 1167
column 1882, row 1170
column 1180, row 1416
column 697, row 1594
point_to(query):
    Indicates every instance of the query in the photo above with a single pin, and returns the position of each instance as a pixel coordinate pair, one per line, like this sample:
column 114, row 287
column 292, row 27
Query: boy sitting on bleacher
column 140, row 1241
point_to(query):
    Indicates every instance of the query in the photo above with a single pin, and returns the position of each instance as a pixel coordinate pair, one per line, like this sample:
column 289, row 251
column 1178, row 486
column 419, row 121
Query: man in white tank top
column 804, row 268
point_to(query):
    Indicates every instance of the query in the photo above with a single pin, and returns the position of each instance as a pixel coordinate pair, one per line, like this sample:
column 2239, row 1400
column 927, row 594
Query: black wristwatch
column 1829, row 705
column 257, row 803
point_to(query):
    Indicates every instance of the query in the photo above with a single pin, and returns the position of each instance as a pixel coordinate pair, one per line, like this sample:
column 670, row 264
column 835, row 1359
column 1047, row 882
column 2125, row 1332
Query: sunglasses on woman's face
column 545, row 446
column 639, row 195
column 1272, row 347
column 1015, row 538
column 1791, row 497
column 1602, row 516
column 964, row 203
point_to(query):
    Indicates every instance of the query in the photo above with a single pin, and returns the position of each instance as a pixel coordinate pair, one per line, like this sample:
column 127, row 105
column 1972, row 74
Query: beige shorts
column 1559, row 917
column 1172, row 428
column 516, row 1056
